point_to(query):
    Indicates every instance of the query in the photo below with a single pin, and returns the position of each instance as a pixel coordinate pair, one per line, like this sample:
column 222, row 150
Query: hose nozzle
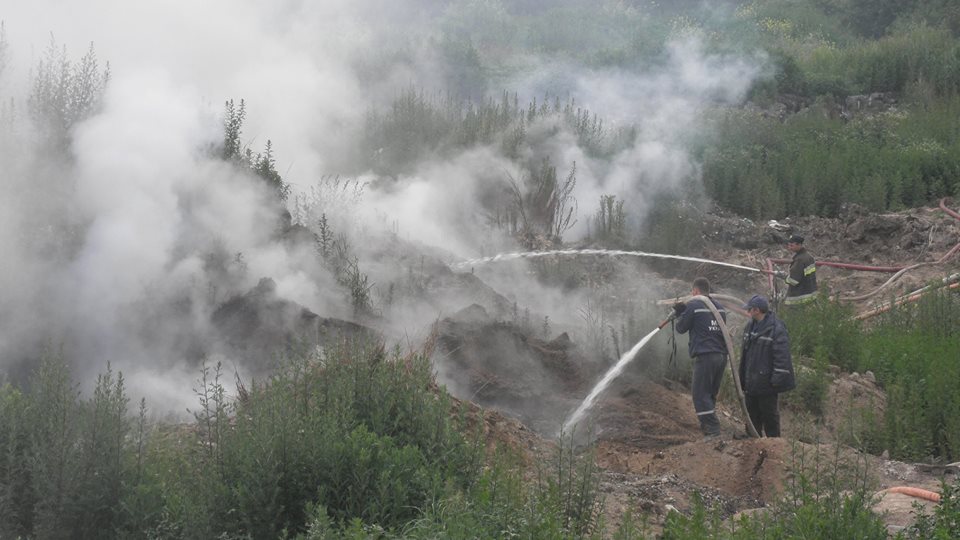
column 670, row 317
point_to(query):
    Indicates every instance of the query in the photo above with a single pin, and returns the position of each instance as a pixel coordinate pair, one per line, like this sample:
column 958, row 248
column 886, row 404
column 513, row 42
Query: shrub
column 350, row 442
column 825, row 330
column 913, row 350
column 945, row 521
column 810, row 163
column 609, row 222
column 813, row 382
column 64, row 462
column 563, row 502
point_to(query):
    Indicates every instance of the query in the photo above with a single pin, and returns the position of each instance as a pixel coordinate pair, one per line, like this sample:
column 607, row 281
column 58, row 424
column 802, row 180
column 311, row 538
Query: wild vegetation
column 353, row 441
column 826, row 496
column 822, row 58
column 858, row 104
column 911, row 350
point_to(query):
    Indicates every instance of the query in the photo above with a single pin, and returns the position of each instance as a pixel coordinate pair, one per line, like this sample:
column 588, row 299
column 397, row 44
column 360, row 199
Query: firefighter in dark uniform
column 766, row 368
column 802, row 277
column 709, row 352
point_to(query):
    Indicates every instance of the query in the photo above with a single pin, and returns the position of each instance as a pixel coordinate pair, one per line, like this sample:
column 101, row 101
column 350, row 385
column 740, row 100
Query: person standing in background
column 802, row 277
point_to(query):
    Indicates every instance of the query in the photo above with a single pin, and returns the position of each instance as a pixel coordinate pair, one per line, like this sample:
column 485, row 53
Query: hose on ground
column 953, row 251
column 919, row 493
column 949, row 282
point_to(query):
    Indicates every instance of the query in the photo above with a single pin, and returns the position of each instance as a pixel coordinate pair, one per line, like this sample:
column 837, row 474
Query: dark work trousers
column 765, row 414
column 707, row 374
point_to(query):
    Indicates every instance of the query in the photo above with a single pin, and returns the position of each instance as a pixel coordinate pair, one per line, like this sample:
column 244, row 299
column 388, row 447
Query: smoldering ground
column 122, row 244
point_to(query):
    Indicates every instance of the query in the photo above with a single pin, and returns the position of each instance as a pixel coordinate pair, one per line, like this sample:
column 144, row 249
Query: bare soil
column 921, row 235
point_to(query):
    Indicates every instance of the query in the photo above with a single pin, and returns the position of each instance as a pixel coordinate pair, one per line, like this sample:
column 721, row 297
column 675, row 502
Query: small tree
column 63, row 94
column 262, row 164
column 232, row 127
column 543, row 204
column 610, row 221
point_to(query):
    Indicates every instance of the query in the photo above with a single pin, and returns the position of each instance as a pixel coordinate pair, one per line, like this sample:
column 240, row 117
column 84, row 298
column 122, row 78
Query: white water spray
column 611, row 374
column 609, row 252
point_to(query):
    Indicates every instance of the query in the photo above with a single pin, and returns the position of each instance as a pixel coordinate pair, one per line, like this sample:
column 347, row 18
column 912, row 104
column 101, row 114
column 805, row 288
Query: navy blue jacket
column 705, row 334
column 765, row 364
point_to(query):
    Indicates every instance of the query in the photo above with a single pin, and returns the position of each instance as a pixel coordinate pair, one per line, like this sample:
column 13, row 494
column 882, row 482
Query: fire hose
column 741, row 399
column 949, row 282
column 919, row 493
column 734, row 301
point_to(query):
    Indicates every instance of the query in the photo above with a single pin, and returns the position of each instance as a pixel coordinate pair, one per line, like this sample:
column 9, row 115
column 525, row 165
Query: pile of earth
column 254, row 327
column 498, row 365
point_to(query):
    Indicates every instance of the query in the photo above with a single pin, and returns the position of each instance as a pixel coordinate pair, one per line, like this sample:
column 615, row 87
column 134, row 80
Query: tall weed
column 913, row 350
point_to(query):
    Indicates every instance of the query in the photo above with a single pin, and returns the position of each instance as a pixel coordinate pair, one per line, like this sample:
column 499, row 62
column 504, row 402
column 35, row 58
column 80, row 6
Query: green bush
column 811, row 164
column 944, row 523
column 351, row 442
column 64, row 462
column 813, row 382
column 563, row 502
column 825, row 330
column 913, row 351
column 357, row 431
column 419, row 125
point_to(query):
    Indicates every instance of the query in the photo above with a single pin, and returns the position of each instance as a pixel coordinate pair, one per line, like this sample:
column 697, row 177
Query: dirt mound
column 856, row 403
column 644, row 415
column 751, row 470
column 495, row 364
column 855, row 236
column 254, row 326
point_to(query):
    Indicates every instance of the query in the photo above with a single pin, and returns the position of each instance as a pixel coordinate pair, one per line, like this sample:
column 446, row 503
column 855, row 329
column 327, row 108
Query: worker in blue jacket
column 709, row 352
column 766, row 368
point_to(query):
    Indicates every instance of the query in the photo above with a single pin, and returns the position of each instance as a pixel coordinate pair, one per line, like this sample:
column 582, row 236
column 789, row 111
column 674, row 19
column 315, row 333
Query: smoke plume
column 121, row 243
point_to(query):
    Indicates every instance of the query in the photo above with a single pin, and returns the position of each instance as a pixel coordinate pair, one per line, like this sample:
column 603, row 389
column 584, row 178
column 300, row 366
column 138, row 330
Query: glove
column 679, row 308
column 780, row 274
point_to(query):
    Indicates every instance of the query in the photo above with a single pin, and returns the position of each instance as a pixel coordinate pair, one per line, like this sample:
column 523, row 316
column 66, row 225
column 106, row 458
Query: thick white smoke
column 150, row 199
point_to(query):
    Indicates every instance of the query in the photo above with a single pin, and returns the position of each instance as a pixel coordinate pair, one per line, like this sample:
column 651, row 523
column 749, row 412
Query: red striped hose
column 919, row 493
column 887, row 269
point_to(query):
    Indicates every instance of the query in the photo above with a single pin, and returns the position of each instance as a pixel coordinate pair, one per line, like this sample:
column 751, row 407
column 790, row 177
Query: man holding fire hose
column 709, row 352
